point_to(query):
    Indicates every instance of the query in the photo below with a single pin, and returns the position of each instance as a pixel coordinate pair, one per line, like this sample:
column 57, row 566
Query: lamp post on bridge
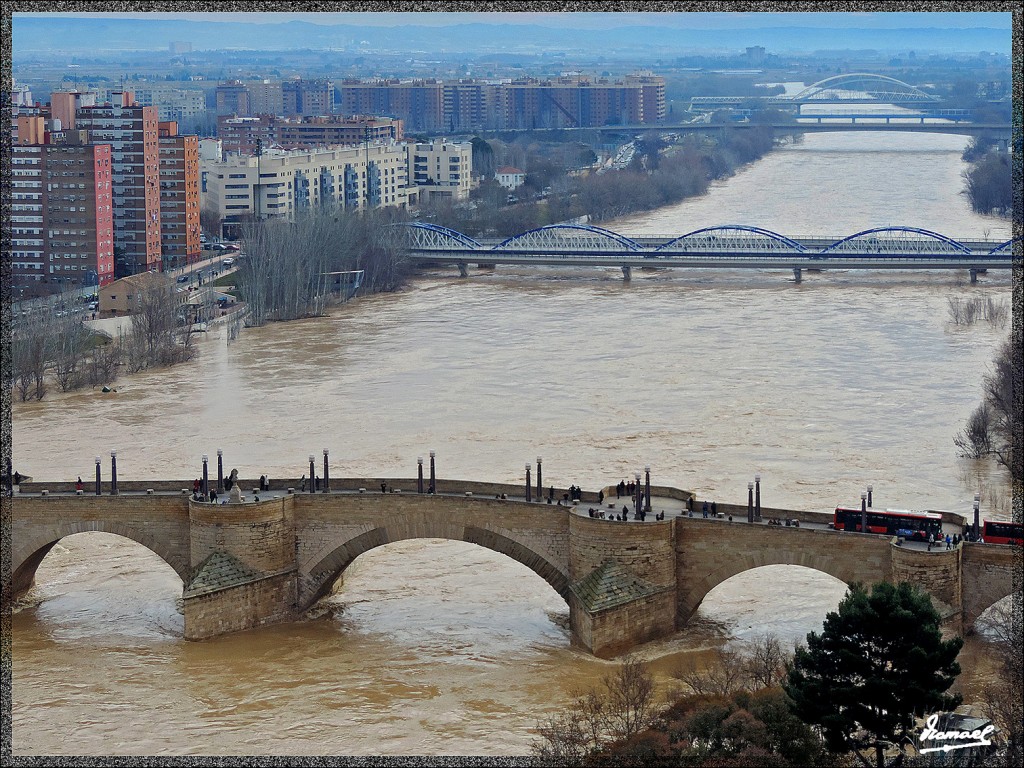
column 220, row 471
column 647, row 488
column 419, row 474
column 639, row 493
column 433, row 478
column 206, row 478
column 540, row 484
column 98, row 489
column 113, row 473
column 757, row 498
column 863, row 513
column 977, row 513
column 750, row 502
column 528, row 481
column 312, row 473
column 871, row 488
column 327, row 474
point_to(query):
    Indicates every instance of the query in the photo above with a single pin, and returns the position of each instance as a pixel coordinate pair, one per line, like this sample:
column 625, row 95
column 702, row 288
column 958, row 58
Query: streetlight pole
column 647, row 488
column 113, row 473
column 433, row 478
column 863, row 513
column 757, row 498
column 312, row 473
column 528, row 481
column 977, row 514
column 637, row 497
column 540, row 484
column 206, row 478
column 750, row 502
column 327, row 474
column 419, row 474
column 870, row 489
column 98, row 489
column 220, row 470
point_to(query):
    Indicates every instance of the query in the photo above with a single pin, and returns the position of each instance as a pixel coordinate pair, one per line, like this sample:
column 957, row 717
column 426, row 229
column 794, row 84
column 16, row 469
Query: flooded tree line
column 49, row 349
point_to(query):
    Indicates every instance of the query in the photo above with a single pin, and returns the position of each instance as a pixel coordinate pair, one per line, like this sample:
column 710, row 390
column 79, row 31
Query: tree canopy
column 879, row 662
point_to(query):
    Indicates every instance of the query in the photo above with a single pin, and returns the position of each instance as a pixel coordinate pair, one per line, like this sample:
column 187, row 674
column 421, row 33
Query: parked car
column 218, row 247
column 182, row 278
column 228, row 262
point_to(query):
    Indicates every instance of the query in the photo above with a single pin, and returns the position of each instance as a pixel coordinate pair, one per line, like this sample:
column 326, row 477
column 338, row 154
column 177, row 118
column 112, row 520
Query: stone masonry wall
column 937, row 573
column 708, row 553
column 265, row 601
column 616, row 630
column 988, row 576
column 159, row 523
column 647, row 549
column 260, row 534
column 332, row 529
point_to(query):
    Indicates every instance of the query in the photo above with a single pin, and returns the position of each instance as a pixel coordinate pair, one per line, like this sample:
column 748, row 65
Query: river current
column 438, row 647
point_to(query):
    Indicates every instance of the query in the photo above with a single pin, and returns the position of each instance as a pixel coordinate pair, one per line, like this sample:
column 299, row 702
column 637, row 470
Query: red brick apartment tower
column 179, row 196
column 131, row 132
column 62, row 217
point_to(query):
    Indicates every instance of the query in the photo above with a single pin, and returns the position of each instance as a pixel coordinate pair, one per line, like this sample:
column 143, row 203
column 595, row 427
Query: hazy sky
column 604, row 20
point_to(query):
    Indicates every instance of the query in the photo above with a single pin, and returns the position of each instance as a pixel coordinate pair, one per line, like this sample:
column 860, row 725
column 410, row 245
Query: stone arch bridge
column 259, row 562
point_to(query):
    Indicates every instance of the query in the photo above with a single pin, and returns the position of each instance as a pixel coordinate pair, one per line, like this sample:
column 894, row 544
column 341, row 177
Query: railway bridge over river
column 266, row 557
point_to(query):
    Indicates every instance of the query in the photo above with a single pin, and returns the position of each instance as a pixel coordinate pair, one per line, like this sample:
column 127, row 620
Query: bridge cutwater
column 727, row 246
column 265, row 556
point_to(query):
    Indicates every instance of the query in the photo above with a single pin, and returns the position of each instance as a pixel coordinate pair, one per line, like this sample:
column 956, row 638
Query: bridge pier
column 627, row 272
column 463, row 269
column 974, row 276
column 797, row 275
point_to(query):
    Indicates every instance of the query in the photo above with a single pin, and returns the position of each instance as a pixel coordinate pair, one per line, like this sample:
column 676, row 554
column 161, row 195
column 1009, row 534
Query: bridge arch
column 885, row 89
column 898, row 241
column 28, row 556
column 317, row 582
column 824, row 562
column 732, row 237
column 427, row 235
column 582, row 236
column 1005, row 246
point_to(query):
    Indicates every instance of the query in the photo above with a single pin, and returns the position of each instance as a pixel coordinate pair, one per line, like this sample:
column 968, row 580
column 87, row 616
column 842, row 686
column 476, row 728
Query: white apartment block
column 279, row 183
column 441, row 169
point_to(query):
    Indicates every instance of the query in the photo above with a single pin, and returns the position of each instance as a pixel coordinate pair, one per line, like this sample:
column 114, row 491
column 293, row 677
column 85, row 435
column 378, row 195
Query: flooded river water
column 438, row 647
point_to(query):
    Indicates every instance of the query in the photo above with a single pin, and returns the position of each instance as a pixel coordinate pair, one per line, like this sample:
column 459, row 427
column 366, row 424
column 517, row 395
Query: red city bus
column 1002, row 532
column 891, row 522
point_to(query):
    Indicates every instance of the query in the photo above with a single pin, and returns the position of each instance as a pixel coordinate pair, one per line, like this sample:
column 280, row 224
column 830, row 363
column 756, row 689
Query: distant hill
column 78, row 34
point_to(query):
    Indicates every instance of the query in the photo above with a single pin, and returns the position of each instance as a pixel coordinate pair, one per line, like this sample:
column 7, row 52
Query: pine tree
column 879, row 662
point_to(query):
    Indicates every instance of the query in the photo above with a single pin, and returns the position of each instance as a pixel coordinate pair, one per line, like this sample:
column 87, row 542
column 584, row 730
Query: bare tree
column 761, row 662
column 71, row 344
column 995, row 427
column 623, row 706
column 1004, row 694
column 630, row 698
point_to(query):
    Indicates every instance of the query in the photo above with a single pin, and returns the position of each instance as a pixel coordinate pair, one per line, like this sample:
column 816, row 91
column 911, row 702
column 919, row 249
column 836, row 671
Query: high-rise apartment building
column 61, row 217
column 419, row 104
column 182, row 105
column 243, row 134
column 232, row 98
column 307, row 97
column 179, row 197
column 132, row 133
column 569, row 101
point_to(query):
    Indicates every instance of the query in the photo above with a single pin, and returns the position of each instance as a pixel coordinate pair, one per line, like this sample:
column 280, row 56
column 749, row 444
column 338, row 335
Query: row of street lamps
column 639, row 497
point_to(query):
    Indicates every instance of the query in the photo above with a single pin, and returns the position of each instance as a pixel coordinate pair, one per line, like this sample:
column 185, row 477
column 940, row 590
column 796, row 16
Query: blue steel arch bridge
column 725, row 246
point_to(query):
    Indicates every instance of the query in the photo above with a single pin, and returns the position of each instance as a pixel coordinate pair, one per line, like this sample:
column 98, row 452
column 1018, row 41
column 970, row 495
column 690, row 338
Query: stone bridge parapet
column 247, row 564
